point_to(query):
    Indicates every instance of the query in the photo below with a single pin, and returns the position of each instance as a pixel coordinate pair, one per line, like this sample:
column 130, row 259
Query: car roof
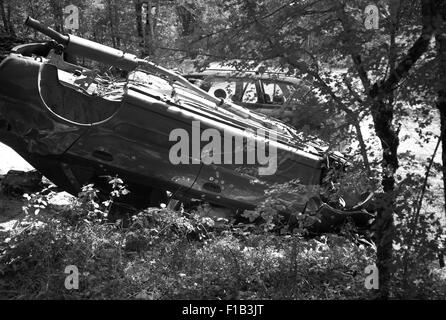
column 236, row 74
column 229, row 70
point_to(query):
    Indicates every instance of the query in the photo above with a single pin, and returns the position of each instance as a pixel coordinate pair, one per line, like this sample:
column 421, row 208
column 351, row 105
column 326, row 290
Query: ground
column 10, row 208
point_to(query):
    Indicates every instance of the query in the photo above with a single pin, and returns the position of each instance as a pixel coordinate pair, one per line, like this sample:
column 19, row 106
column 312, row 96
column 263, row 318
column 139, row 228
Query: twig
column 423, row 189
column 417, row 213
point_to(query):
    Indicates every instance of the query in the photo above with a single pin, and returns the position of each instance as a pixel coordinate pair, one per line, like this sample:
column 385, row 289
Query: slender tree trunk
column 56, row 7
column 441, row 102
column 112, row 22
column 185, row 13
column 146, row 26
column 382, row 113
column 6, row 18
column 441, row 105
column 150, row 30
column 140, row 26
column 116, row 20
column 3, row 13
column 8, row 15
column 138, row 17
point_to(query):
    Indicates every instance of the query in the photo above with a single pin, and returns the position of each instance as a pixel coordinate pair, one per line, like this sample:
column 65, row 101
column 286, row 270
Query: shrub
column 165, row 254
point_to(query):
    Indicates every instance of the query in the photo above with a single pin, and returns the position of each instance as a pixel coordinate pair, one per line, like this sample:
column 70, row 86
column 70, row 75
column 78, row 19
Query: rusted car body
column 58, row 117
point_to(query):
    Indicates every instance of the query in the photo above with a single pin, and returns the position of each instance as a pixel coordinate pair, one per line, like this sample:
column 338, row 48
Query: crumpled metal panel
column 21, row 111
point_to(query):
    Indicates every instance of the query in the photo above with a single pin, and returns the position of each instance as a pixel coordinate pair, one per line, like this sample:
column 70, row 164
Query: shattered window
column 273, row 92
column 224, row 90
column 235, row 90
column 249, row 92
column 219, row 88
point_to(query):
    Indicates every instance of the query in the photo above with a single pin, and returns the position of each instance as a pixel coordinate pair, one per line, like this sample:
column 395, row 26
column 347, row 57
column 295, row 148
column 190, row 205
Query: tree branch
column 354, row 52
column 414, row 53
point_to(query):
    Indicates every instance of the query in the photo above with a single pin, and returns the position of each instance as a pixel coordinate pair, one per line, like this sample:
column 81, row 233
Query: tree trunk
column 112, row 22
column 3, row 13
column 115, row 17
column 6, row 18
column 150, row 31
column 146, row 26
column 150, row 34
column 56, row 7
column 382, row 113
column 187, row 19
column 138, row 17
column 441, row 102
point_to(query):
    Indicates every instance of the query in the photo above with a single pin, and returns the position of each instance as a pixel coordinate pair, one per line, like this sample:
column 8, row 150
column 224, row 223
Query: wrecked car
column 76, row 126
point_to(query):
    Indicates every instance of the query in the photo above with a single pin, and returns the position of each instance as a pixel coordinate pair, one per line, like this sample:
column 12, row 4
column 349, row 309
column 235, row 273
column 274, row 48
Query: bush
column 166, row 254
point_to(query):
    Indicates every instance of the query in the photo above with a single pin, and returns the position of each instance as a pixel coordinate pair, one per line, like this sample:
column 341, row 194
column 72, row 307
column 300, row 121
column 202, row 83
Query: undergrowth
column 163, row 254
